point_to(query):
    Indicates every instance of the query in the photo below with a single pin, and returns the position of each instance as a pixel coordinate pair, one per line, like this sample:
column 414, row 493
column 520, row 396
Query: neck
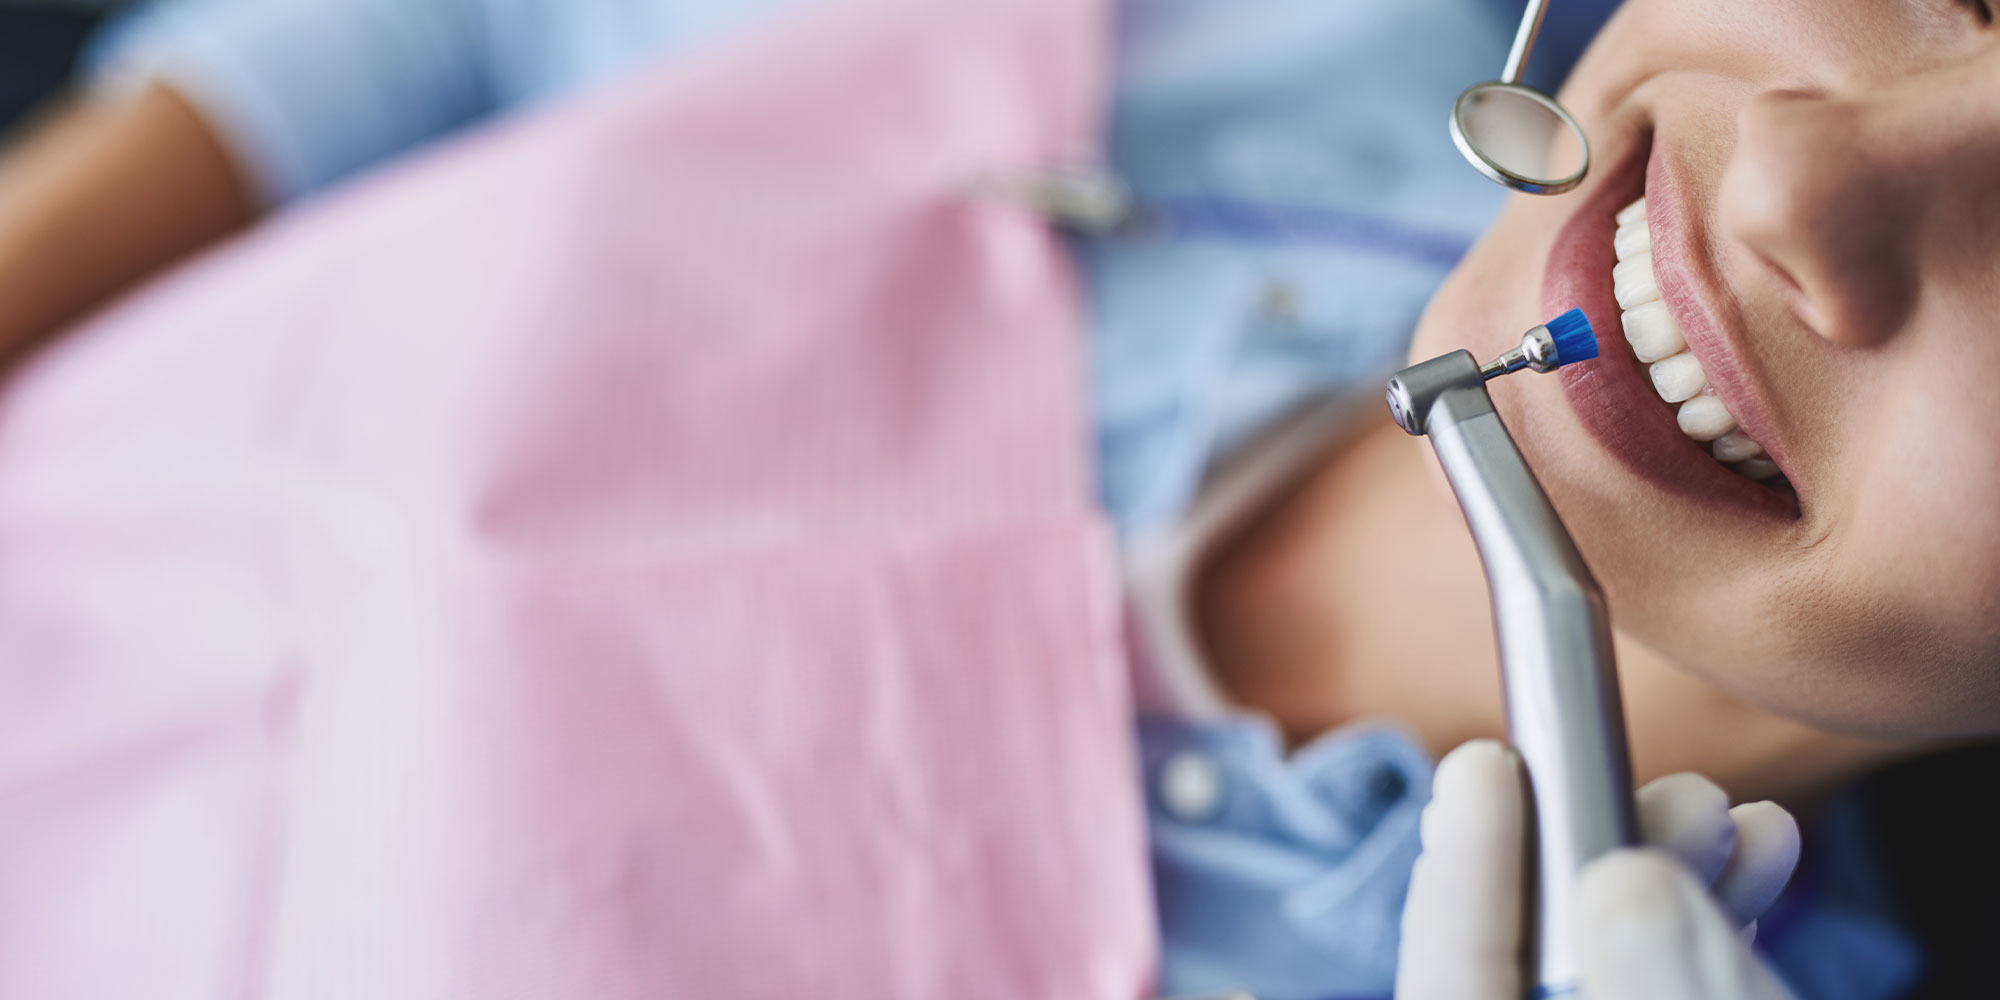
column 1307, row 616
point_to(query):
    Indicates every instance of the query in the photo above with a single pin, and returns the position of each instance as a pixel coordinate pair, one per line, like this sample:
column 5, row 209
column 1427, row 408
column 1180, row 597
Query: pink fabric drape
column 644, row 551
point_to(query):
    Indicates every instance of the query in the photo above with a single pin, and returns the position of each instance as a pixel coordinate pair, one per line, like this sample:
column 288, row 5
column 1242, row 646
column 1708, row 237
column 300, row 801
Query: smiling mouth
column 1648, row 398
column 1677, row 375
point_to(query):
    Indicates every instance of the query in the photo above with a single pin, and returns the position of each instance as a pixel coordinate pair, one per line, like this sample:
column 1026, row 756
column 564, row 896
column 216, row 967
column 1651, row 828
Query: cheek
column 1924, row 522
column 1494, row 294
column 1456, row 318
column 1892, row 619
column 1927, row 474
column 1862, row 649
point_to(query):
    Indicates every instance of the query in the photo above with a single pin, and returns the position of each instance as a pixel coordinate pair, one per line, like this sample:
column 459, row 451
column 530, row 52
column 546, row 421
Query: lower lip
column 1611, row 394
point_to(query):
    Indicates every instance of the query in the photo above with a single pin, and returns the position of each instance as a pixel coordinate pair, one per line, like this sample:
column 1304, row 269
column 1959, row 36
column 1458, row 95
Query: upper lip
column 1695, row 294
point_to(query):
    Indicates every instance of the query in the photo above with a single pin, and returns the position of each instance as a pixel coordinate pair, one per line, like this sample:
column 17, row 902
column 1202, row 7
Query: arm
column 238, row 105
column 100, row 196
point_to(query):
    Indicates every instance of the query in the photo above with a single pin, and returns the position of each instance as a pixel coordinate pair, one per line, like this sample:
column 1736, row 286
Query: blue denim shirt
column 1282, row 876
column 310, row 92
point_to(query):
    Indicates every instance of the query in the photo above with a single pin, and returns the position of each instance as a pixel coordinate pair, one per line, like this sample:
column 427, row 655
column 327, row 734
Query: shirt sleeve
column 307, row 92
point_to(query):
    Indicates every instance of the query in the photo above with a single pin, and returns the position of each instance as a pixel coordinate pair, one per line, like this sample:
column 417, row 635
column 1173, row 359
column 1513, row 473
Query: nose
column 1819, row 190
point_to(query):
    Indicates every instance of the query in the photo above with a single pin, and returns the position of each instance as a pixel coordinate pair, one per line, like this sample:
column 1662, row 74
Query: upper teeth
column 1656, row 340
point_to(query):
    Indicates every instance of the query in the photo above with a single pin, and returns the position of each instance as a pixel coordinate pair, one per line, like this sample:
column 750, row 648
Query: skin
column 99, row 196
column 1837, row 162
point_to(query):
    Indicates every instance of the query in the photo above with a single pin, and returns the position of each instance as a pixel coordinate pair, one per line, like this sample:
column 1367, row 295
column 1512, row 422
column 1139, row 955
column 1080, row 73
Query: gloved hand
column 1655, row 923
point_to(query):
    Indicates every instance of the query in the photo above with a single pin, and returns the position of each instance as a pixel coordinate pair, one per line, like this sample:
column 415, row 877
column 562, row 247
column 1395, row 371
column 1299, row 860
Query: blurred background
column 1927, row 822
column 39, row 41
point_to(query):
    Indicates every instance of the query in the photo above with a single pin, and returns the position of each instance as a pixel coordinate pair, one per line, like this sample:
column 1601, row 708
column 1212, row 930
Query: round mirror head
column 1520, row 137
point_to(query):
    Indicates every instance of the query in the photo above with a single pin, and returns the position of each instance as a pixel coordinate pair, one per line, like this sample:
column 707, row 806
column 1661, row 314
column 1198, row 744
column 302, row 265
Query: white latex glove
column 1647, row 929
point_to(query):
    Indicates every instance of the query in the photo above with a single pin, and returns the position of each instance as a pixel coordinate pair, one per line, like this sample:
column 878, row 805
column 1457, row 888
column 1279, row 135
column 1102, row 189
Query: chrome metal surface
column 1537, row 351
column 1083, row 199
column 1524, row 41
column 1513, row 133
column 1496, row 152
column 1560, row 686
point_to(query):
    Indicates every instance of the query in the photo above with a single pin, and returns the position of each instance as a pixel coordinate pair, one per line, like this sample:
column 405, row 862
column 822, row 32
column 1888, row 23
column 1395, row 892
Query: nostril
column 1807, row 197
column 1784, row 277
column 1793, row 292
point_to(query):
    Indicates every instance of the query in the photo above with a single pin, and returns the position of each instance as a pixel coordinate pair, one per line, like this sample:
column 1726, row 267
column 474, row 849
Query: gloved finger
column 1647, row 930
column 1767, row 849
column 1688, row 815
column 1462, row 923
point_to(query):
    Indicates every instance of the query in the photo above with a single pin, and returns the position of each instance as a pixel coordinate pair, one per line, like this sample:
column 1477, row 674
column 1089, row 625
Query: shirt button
column 1387, row 785
column 1190, row 786
column 1279, row 304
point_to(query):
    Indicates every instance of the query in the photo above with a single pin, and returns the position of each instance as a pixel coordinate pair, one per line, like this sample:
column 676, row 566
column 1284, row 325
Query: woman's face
column 1822, row 185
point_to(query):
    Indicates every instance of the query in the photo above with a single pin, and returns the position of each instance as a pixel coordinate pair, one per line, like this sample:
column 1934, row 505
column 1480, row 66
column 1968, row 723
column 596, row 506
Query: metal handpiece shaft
column 1564, row 716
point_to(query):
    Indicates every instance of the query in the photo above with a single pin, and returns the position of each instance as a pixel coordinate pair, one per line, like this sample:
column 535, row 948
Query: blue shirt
column 310, row 92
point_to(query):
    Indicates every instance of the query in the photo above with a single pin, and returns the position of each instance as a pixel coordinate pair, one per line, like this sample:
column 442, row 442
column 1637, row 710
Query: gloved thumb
column 1646, row 930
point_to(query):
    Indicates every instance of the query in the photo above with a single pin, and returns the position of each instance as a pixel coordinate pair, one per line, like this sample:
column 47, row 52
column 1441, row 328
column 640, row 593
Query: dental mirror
column 1516, row 134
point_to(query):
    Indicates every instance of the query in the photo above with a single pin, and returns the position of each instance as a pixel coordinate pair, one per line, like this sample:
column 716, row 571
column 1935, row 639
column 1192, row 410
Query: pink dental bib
column 645, row 551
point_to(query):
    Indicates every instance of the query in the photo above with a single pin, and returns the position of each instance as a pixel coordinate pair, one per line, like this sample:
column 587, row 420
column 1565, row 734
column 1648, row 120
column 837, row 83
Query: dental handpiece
column 1560, row 685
